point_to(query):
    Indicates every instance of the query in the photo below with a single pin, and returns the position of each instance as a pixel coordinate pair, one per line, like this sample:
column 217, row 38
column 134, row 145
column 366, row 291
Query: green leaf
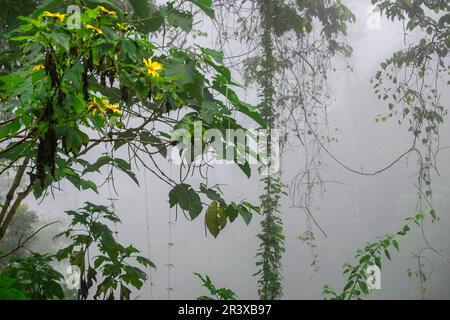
column 211, row 193
column 47, row 5
column 11, row 81
column 8, row 290
column 147, row 19
column 180, row 19
column 103, row 160
column 206, row 6
column 348, row 285
column 245, row 167
column 378, row 262
column 145, row 262
column 215, row 219
column 216, row 55
column 32, row 21
column 388, row 255
column 129, row 49
column 146, row 137
column 242, row 107
column 182, row 71
column 395, row 243
column 188, row 200
column 64, row 253
column 232, row 212
column 73, row 76
column 61, row 38
column 363, row 287
column 245, row 214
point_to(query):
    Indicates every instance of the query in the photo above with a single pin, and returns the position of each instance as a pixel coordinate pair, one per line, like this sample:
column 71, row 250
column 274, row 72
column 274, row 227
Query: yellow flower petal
column 94, row 106
column 56, row 15
column 146, row 62
column 152, row 67
column 106, row 11
column 38, row 67
column 112, row 107
column 91, row 27
column 122, row 26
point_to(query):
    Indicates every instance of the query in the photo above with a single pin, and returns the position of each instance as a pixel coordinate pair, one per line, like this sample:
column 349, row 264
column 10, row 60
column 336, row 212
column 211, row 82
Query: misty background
column 353, row 210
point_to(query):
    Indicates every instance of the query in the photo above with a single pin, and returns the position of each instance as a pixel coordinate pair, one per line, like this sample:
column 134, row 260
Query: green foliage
column 271, row 250
column 280, row 23
column 8, row 289
column 415, row 99
column 216, row 294
column 299, row 17
column 34, row 277
column 74, row 83
column 106, row 80
column 371, row 254
column 11, row 9
column 218, row 212
column 89, row 231
column 215, row 218
column 184, row 196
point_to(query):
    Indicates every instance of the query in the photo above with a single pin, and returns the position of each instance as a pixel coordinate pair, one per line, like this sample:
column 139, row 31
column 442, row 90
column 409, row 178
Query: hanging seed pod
column 61, row 97
column 111, row 78
column 46, row 155
column 90, row 62
column 125, row 95
column 83, row 292
column 150, row 93
column 100, row 64
column 103, row 79
column 73, row 51
column 167, row 107
column 85, row 81
column 50, row 68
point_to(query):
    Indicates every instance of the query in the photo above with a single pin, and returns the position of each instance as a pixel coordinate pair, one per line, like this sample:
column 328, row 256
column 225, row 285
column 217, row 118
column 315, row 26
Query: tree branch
column 22, row 244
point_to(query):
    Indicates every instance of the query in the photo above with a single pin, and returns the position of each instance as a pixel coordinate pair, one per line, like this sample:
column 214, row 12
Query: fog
column 353, row 210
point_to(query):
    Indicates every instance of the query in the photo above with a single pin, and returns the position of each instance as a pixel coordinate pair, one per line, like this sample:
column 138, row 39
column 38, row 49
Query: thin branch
column 22, row 244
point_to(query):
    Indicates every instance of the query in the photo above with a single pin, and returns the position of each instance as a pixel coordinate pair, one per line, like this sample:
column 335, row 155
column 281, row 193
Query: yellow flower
column 38, row 67
column 91, row 27
column 113, row 107
column 122, row 26
column 95, row 106
column 106, row 11
column 152, row 67
column 56, row 15
column 103, row 106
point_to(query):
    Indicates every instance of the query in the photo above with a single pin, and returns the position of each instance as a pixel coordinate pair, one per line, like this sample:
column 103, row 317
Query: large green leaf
column 215, row 218
column 47, row 5
column 180, row 19
column 242, row 107
column 147, row 18
column 206, row 6
column 188, row 200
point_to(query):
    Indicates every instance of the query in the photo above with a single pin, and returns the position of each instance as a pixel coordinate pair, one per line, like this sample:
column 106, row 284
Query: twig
column 22, row 244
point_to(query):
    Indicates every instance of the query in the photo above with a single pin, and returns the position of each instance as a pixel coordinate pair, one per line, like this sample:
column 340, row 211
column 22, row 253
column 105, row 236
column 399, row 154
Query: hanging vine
column 289, row 47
